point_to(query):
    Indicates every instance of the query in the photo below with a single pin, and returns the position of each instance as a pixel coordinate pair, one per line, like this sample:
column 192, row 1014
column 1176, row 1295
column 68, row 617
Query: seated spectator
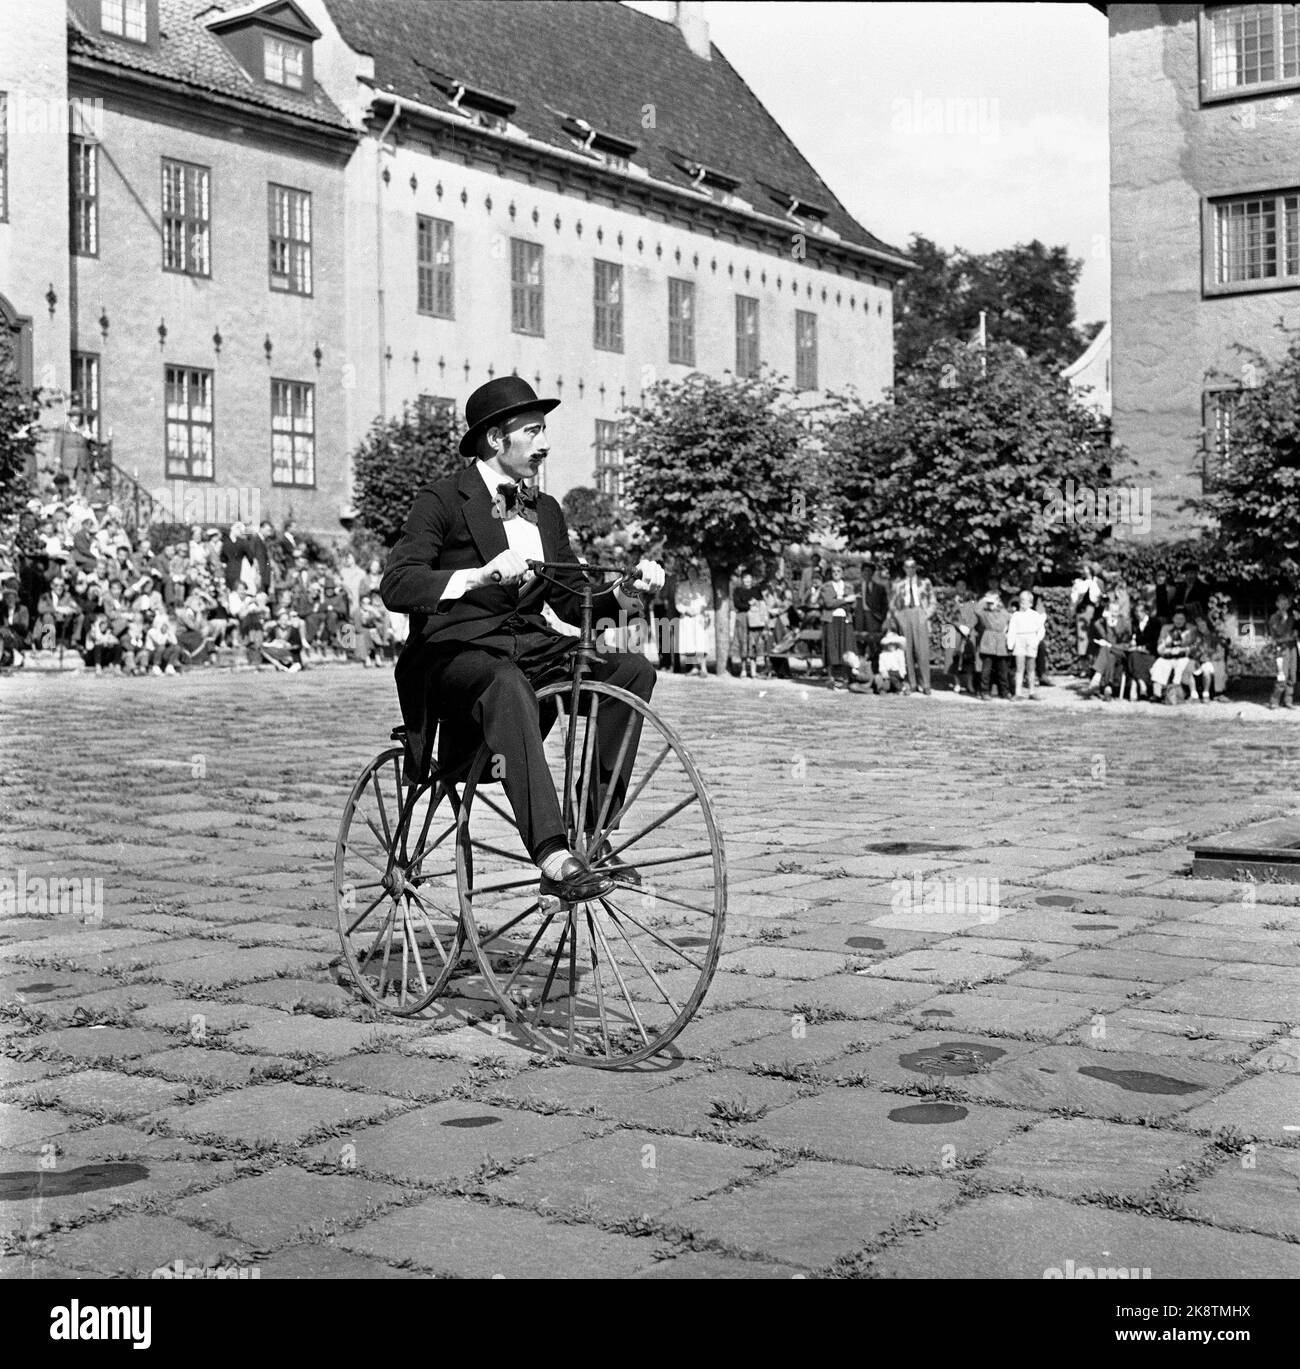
column 135, row 652
column 282, row 642
column 11, row 646
column 1144, row 642
column 991, row 623
column 1111, row 634
column 161, row 645
column 102, row 647
column 59, row 617
column 196, row 636
column 1173, row 667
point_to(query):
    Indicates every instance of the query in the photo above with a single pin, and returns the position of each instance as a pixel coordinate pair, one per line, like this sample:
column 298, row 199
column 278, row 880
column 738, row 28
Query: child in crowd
column 282, row 642
column 1024, row 632
column 991, row 623
column 102, row 647
column 160, row 642
column 891, row 671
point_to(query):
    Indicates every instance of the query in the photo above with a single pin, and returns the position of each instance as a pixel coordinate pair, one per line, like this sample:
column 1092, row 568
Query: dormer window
column 125, row 19
column 616, row 153
column 796, row 207
column 272, row 42
column 480, row 106
column 283, row 63
column 708, row 179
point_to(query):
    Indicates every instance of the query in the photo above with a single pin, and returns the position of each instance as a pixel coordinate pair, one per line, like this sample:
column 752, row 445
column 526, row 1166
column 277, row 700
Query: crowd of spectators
column 1156, row 641
column 243, row 596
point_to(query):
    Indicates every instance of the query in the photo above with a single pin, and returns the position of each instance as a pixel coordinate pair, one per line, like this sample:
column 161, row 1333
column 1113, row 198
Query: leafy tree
column 589, row 513
column 724, row 470
column 19, row 415
column 1026, row 291
column 961, row 468
column 398, row 457
column 1255, row 496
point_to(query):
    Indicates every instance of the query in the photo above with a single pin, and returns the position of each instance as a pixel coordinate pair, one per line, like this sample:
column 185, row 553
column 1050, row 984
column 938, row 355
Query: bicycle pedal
column 549, row 904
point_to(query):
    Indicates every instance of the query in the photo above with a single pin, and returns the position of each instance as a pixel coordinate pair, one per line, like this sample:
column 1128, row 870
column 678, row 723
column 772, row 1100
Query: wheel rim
column 611, row 981
column 395, row 887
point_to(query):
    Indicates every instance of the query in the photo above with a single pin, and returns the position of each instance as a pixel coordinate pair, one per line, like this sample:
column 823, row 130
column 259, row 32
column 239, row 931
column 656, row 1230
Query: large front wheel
column 610, row 981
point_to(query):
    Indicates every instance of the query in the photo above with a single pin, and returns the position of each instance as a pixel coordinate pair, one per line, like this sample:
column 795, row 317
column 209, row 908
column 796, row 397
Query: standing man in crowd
column 478, row 640
column 870, row 610
column 912, row 603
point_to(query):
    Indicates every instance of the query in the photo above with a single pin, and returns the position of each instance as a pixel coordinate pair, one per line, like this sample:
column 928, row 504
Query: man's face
column 526, row 446
column 909, row 569
column 1180, row 620
column 747, row 580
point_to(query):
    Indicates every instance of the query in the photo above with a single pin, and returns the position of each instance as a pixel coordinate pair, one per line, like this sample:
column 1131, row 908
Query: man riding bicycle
column 479, row 643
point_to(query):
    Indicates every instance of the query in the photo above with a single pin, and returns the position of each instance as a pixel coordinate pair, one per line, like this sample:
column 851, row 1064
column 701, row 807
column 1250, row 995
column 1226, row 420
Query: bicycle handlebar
column 540, row 567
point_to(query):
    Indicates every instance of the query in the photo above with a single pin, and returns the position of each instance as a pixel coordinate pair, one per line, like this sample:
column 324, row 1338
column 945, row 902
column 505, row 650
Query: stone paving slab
column 1006, row 1237
column 1262, row 1106
column 473, row 1241
column 273, row 1114
column 1072, row 1157
column 865, row 1126
column 450, row 1140
column 105, row 1091
column 628, row 1174
column 810, row 1215
column 321, row 1260
column 701, row 1103
column 272, row 1209
column 207, row 1065
column 399, row 1076
column 98, row 1043
column 135, row 1246
column 1225, row 996
column 1255, row 1190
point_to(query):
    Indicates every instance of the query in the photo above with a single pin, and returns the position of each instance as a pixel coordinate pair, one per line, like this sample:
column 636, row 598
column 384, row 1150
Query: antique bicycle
column 439, row 902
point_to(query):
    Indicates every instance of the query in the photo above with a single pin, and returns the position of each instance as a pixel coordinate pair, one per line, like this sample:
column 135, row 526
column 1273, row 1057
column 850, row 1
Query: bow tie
column 516, row 501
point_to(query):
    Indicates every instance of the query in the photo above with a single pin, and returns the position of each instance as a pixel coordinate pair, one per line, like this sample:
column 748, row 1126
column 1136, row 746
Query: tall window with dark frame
column 125, row 19
column 289, row 212
column 4, row 156
column 1219, row 411
column 607, row 333
column 85, row 391
column 1257, row 238
column 526, row 287
column 746, row 337
column 293, row 433
column 189, row 424
column 610, row 461
column 681, row 322
column 186, row 215
column 84, row 216
column 433, row 266
column 1249, row 47
column 805, row 349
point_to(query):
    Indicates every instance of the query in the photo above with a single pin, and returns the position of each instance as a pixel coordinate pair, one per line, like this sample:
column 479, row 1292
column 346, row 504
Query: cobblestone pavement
column 1097, row 1061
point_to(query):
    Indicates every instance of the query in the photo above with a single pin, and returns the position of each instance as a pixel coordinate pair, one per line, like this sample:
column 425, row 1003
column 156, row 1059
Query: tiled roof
column 601, row 62
column 191, row 56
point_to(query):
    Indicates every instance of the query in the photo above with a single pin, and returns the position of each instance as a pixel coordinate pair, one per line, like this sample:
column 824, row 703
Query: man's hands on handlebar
column 506, row 568
column 647, row 578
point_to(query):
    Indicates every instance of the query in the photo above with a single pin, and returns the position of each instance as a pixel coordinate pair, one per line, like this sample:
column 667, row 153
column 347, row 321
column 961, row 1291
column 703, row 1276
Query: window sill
column 1250, row 287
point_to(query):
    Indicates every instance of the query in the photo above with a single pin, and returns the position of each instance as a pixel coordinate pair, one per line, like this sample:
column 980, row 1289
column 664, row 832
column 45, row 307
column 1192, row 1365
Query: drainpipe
column 379, row 258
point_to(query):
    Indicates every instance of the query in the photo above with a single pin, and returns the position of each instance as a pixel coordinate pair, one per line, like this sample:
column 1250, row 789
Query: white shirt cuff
column 456, row 586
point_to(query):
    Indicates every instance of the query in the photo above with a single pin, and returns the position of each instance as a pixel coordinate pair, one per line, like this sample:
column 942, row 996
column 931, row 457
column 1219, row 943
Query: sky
column 977, row 125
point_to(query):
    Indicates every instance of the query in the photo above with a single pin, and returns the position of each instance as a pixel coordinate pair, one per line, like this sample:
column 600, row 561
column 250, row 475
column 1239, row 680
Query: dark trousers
column 491, row 685
column 995, row 670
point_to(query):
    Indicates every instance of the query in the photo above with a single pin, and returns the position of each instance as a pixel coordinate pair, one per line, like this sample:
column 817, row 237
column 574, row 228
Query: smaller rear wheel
column 395, row 887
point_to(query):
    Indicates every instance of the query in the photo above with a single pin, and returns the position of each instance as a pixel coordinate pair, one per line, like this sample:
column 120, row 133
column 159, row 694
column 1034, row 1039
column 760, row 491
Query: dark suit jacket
column 452, row 527
column 871, row 607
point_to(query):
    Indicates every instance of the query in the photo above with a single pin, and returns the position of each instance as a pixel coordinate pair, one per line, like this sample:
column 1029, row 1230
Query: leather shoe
column 578, row 882
column 611, row 865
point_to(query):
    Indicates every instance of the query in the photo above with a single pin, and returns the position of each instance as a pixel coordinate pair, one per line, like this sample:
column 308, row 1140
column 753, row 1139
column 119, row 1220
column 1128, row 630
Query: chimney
column 689, row 17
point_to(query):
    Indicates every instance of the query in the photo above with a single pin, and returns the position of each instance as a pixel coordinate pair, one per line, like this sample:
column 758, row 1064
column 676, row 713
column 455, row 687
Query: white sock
column 553, row 866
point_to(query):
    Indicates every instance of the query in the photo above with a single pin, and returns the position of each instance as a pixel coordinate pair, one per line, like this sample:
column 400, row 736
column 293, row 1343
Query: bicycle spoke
column 532, row 946
column 374, row 945
column 662, row 898
column 383, row 812
column 410, row 931
column 573, row 974
column 588, row 757
column 502, row 930
column 433, row 935
column 644, row 863
column 618, row 974
column 627, row 803
column 623, row 912
column 499, row 811
column 631, row 945
column 658, row 822
column 388, row 850
column 406, row 949
column 600, row 989
column 624, row 743
column 550, row 978
column 498, row 851
column 370, row 908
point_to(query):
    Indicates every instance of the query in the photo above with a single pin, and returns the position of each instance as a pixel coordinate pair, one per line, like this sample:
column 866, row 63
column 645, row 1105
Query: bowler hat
column 496, row 401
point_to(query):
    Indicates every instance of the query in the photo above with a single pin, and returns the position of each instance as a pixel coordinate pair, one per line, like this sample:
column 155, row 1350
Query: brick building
column 1205, row 226
column 290, row 218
